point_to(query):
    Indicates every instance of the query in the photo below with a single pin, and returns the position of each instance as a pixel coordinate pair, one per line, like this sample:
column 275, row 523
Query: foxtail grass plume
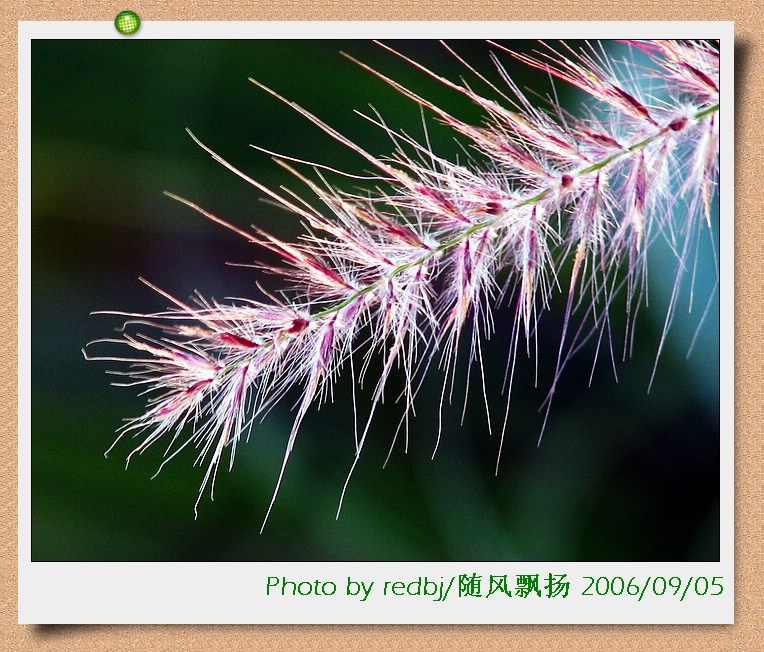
column 417, row 264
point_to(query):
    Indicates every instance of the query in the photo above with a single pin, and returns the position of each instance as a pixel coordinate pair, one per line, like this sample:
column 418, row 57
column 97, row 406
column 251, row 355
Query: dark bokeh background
column 620, row 474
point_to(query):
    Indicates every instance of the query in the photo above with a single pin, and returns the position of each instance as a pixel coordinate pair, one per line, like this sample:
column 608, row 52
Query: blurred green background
column 619, row 475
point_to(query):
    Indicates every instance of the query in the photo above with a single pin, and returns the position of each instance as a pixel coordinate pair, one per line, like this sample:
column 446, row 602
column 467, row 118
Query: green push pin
column 127, row 22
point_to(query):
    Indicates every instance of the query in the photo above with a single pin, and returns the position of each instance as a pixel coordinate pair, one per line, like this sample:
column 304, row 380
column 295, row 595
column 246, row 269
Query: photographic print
column 403, row 329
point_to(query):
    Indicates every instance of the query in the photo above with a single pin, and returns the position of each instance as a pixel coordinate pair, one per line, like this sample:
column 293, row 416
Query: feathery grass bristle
column 420, row 262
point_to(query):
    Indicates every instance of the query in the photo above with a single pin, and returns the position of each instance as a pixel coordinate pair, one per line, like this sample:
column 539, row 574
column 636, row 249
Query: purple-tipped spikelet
column 419, row 262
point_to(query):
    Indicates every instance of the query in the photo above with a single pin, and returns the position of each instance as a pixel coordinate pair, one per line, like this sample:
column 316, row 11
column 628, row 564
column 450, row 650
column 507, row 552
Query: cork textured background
column 749, row 143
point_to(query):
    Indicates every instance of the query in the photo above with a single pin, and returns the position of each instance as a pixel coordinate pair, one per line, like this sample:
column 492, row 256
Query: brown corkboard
column 748, row 560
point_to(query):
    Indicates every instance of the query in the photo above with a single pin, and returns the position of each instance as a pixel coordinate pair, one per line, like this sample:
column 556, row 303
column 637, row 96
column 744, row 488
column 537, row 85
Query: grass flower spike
column 544, row 202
